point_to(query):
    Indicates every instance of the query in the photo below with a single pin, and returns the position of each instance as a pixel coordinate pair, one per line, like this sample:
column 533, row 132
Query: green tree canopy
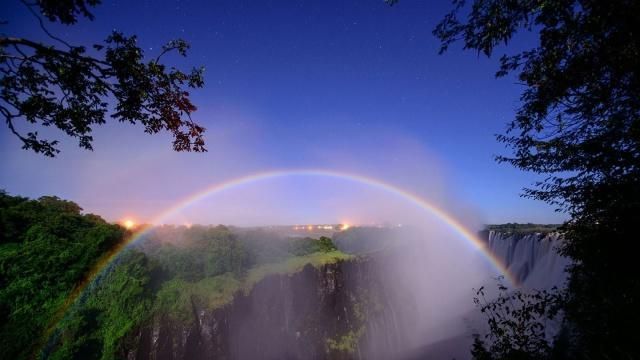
column 70, row 88
column 46, row 248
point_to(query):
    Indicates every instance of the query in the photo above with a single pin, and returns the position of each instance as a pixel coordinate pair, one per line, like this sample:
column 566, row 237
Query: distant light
column 310, row 227
column 345, row 226
column 188, row 225
column 128, row 223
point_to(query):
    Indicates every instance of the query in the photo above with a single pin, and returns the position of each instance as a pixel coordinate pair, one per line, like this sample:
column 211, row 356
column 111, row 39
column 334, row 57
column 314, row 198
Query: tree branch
column 46, row 31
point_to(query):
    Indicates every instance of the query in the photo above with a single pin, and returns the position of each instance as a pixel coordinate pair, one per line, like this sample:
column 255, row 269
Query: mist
column 428, row 266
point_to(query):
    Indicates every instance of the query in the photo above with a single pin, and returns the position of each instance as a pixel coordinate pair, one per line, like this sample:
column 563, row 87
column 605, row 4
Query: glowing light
column 310, row 227
column 128, row 223
column 344, row 226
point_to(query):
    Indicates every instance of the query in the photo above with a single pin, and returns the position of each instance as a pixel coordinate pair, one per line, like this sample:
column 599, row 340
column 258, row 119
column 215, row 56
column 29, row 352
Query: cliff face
column 338, row 311
column 352, row 309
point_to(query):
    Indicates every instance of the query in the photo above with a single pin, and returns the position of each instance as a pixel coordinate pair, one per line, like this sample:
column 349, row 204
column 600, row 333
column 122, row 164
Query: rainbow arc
column 447, row 219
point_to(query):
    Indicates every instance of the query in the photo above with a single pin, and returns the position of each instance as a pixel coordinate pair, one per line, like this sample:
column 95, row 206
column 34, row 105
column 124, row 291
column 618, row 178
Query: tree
column 579, row 124
column 97, row 325
column 47, row 246
column 68, row 87
column 517, row 324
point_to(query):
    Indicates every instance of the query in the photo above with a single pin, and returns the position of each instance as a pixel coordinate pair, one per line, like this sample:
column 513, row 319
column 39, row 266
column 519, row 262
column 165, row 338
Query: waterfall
column 532, row 259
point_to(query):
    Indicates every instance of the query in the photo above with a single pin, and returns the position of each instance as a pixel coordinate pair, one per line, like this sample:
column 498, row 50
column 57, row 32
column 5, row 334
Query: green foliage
column 46, row 249
column 70, row 88
column 207, row 266
column 291, row 265
column 578, row 123
column 117, row 303
column 308, row 245
column 177, row 298
column 200, row 252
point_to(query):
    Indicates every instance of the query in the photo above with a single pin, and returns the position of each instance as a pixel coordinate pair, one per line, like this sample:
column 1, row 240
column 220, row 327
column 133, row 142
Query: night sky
column 348, row 85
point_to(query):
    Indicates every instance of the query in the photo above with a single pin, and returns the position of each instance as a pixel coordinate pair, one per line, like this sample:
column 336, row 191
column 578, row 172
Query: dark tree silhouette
column 517, row 323
column 578, row 123
column 67, row 87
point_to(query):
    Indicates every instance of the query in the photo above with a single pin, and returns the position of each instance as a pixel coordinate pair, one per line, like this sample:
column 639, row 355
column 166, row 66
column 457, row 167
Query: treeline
column 196, row 252
column 48, row 246
column 528, row 228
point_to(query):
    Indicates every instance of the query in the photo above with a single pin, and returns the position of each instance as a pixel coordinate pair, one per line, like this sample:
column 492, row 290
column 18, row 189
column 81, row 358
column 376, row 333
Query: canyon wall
column 338, row 311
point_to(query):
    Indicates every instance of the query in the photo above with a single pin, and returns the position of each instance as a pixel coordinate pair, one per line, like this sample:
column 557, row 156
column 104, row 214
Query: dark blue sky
column 286, row 83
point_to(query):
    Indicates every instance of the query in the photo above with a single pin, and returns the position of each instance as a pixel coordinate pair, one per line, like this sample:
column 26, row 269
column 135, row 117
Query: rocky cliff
column 338, row 311
column 352, row 309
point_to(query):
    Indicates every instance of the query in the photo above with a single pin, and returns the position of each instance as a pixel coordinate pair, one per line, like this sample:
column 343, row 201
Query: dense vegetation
column 578, row 123
column 116, row 304
column 48, row 247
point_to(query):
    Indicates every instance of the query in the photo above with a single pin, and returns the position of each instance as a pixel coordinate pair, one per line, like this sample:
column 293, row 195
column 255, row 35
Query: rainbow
column 439, row 214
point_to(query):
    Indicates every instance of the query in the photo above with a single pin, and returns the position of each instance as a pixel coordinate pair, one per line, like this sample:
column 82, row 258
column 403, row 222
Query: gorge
column 216, row 292
column 342, row 310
